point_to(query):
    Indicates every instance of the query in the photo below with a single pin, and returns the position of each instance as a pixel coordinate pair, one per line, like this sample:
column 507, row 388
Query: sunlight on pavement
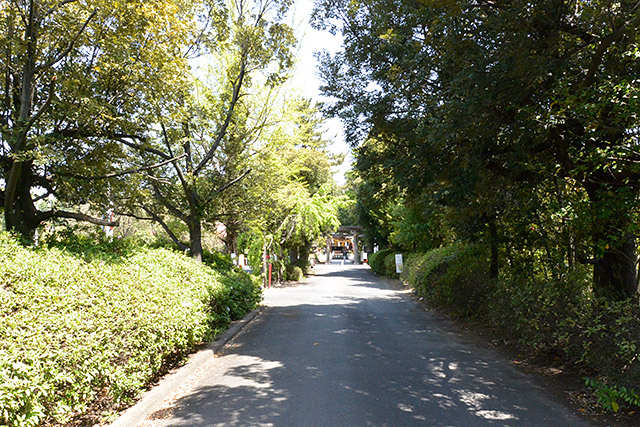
column 475, row 402
column 326, row 288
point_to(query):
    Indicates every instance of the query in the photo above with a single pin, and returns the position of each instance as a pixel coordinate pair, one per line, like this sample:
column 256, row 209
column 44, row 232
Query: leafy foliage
column 485, row 111
column 454, row 277
column 558, row 319
column 217, row 260
column 377, row 261
column 294, row 273
column 610, row 396
column 79, row 75
column 79, row 332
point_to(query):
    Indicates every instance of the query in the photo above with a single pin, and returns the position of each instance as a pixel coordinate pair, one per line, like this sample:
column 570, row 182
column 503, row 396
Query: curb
column 158, row 393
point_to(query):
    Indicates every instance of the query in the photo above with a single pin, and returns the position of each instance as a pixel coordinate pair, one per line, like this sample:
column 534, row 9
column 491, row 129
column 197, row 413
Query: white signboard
column 241, row 260
column 398, row 263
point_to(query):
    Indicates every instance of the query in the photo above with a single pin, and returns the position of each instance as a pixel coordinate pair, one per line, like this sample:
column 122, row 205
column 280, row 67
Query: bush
column 304, row 264
column 91, row 245
column 244, row 293
column 562, row 319
column 390, row 265
column 79, row 335
column 377, row 261
column 558, row 318
column 528, row 311
column 218, row 261
column 294, row 273
column 453, row 277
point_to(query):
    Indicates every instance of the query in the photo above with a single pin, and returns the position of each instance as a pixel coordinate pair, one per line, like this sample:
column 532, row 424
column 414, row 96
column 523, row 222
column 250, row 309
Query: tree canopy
column 519, row 119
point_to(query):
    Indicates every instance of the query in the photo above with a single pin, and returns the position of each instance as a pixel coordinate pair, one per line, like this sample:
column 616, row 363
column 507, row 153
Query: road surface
column 346, row 349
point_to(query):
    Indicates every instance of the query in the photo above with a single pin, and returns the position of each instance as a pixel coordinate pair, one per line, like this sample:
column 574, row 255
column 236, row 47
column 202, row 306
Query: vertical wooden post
column 356, row 251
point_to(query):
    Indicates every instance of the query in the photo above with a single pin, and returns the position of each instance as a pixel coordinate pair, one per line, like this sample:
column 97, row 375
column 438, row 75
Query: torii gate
column 351, row 230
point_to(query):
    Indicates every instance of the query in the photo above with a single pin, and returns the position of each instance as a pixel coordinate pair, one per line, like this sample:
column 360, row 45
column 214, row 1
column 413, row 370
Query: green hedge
column 560, row 319
column 79, row 335
column 377, row 261
column 294, row 273
column 453, row 277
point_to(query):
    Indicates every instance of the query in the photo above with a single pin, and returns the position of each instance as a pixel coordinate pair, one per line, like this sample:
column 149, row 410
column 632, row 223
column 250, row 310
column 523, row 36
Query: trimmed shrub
column 91, row 244
column 294, row 273
column 79, row 335
column 562, row 319
column 244, row 292
column 557, row 318
column 377, row 261
column 390, row 265
column 528, row 312
column 218, row 261
column 453, row 277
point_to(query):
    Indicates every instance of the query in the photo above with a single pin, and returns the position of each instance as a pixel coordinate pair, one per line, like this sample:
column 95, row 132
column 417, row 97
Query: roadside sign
column 398, row 263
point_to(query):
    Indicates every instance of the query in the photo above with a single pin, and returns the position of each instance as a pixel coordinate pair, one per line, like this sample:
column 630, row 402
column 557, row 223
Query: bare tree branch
column 234, row 181
column 165, row 202
column 55, row 8
column 72, row 43
column 237, row 86
column 43, row 216
column 130, row 215
column 226, row 186
column 121, row 139
column 606, row 42
column 42, row 109
column 166, row 228
column 127, row 172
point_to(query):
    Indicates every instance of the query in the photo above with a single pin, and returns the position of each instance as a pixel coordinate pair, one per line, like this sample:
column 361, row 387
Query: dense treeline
column 509, row 126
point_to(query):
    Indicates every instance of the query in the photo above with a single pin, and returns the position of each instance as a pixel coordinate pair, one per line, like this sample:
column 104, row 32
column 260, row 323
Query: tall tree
column 217, row 118
column 76, row 79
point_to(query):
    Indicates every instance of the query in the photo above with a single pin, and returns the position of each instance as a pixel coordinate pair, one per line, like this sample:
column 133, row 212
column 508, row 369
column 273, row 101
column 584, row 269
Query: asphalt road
column 346, row 349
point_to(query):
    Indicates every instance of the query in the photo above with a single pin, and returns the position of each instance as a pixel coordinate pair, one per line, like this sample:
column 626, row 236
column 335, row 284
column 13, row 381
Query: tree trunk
column 264, row 264
column 195, row 240
column 19, row 210
column 328, row 260
column 494, row 266
column 356, row 250
column 231, row 242
column 614, row 273
column 614, row 265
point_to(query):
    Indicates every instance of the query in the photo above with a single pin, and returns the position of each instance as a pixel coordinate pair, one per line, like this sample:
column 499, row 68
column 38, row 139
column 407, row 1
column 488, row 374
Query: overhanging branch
column 127, row 172
column 43, row 216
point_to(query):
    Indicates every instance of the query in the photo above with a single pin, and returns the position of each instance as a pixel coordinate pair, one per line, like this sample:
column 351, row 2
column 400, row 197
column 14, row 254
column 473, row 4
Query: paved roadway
column 346, row 349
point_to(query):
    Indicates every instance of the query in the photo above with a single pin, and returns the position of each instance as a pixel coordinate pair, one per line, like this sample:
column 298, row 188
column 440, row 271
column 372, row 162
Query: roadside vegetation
column 497, row 149
column 88, row 325
column 173, row 124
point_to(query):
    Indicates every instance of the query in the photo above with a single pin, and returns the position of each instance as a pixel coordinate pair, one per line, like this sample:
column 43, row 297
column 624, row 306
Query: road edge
column 154, row 397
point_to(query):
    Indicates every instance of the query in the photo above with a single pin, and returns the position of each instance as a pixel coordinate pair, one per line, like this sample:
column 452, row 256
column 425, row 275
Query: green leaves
column 475, row 109
column 80, row 334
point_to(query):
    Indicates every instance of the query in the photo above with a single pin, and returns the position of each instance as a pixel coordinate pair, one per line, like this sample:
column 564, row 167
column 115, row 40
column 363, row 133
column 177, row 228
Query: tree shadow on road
column 362, row 362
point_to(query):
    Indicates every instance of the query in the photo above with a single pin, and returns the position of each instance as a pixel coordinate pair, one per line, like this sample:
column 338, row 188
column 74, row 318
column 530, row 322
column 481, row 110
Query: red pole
column 270, row 275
